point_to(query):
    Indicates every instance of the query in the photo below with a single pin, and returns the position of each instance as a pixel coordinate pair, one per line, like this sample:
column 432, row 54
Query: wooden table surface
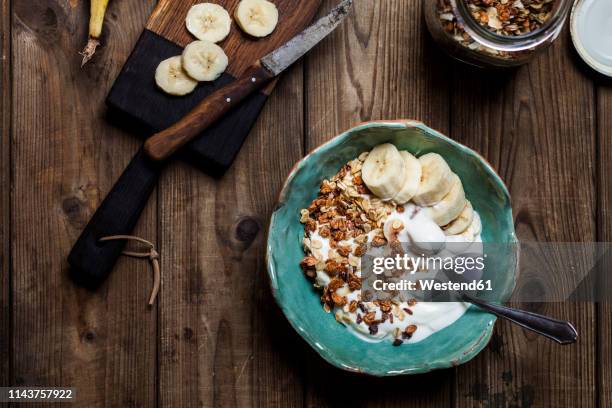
column 216, row 337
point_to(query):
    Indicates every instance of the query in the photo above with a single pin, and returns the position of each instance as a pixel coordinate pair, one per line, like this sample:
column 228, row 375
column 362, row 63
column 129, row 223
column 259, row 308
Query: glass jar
column 495, row 33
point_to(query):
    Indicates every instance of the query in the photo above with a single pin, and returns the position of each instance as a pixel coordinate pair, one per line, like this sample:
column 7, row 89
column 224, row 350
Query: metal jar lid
column 591, row 29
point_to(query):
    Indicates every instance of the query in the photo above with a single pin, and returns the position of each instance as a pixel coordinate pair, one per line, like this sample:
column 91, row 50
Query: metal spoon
column 558, row 330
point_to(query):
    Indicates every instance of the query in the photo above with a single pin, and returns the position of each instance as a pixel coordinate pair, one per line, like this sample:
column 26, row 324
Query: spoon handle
column 558, row 330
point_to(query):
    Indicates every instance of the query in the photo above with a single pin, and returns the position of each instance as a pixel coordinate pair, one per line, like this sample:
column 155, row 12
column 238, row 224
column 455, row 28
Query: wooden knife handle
column 162, row 145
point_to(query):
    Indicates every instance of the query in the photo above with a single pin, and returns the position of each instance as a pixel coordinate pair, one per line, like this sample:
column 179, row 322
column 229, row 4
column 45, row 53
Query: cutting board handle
column 91, row 261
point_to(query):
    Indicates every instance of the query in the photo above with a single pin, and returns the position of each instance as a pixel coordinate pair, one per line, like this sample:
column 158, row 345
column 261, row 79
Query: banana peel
column 96, row 21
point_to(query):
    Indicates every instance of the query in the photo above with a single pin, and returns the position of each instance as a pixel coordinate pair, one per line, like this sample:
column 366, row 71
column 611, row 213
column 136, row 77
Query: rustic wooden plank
column 65, row 158
column 537, row 130
column 380, row 64
column 604, row 225
column 223, row 341
column 5, row 180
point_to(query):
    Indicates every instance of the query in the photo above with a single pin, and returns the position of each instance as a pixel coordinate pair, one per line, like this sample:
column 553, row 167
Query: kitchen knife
column 162, row 145
column 91, row 260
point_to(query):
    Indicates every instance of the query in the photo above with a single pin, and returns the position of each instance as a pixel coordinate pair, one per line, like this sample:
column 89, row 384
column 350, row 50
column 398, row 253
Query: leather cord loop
column 152, row 254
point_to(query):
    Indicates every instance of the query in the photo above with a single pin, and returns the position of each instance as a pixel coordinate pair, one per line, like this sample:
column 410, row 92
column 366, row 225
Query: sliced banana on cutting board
column 462, row 222
column 436, row 180
column 257, row 17
column 204, row 60
column 383, row 171
column 208, row 22
column 172, row 78
column 412, row 178
column 451, row 205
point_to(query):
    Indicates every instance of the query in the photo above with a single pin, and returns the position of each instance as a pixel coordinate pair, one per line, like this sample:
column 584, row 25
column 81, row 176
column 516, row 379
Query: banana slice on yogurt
column 436, row 180
column 475, row 228
column 467, row 241
column 412, row 178
column 204, row 60
column 451, row 205
column 462, row 222
column 383, row 171
column 257, row 17
column 208, row 22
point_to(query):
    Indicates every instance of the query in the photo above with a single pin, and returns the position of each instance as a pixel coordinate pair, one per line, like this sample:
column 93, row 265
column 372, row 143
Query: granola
column 511, row 17
column 338, row 226
column 503, row 17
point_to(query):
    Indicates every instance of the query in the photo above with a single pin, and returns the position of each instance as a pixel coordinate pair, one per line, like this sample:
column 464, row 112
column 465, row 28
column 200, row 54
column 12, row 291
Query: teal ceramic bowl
column 300, row 302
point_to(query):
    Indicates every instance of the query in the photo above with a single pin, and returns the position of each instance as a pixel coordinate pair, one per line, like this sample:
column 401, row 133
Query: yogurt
column 422, row 236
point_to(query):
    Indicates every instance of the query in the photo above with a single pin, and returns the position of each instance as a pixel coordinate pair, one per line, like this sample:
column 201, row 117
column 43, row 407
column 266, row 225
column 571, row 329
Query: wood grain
column 5, row 187
column 220, row 339
column 293, row 17
column 379, row 64
column 604, row 234
column 223, row 341
column 276, row 374
column 65, row 159
column 537, row 131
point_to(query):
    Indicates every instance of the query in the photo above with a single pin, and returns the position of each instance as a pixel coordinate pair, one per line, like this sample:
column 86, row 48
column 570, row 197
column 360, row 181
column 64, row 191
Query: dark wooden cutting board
column 136, row 103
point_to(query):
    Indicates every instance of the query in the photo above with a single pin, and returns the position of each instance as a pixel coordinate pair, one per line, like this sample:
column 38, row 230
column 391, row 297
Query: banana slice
column 412, row 178
column 436, row 180
column 471, row 233
column 383, row 171
column 204, row 60
column 451, row 205
column 474, row 229
column 209, row 22
column 468, row 240
column 172, row 78
column 257, row 17
column 462, row 222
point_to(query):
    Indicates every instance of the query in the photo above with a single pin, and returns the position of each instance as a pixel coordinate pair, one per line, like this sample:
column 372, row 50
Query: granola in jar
column 495, row 33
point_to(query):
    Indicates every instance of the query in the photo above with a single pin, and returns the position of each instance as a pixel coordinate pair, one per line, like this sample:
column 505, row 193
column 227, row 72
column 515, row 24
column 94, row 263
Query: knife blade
column 287, row 54
column 165, row 143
